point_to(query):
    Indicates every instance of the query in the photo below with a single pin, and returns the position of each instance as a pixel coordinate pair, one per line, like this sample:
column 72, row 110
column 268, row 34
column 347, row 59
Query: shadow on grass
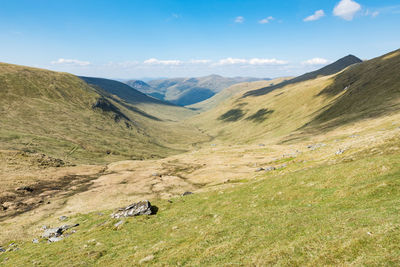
column 232, row 115
column 260, row 116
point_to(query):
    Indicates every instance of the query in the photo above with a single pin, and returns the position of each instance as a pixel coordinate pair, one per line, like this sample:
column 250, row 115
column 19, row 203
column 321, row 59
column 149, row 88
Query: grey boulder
column 140, row 208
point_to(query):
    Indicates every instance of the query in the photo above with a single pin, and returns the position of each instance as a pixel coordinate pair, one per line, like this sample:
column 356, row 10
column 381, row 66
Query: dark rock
column 25, row 188
column 269, row 169
column 187, row 193
column 136, row 209
column 259, row 169
column 2, row 249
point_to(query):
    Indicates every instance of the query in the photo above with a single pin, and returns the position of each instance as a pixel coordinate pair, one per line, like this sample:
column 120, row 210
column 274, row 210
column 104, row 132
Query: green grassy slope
column 364, row 90
column 54, row 113
column 229, row 92
column 333, row 68
column 319, row 214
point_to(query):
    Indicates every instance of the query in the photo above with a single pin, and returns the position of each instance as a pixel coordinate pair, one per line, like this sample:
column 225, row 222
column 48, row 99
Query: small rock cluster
column 136, row 209
column 56, row 234
column 316, row 146
column 11, row 247
column 340, row 151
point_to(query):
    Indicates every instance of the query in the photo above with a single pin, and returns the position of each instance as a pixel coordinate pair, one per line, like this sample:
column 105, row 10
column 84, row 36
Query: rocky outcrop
column 140, row 208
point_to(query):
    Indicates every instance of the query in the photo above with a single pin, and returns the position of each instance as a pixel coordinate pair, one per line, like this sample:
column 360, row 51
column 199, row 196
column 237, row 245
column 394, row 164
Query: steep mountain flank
column 333, row 68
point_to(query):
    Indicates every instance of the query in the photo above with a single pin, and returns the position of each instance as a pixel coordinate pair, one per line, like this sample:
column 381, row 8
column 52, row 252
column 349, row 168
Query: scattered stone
column 213, row 144
column 316, row 146
column 269, row 169
column 261, row 144
column 259, row 169
column 35, row 241
column 187, row 193
column 63, row 218
column 44, row 227
column 136, row 209
column 55, row 239
column 2, row 249
column 56, row 232
column 175, row 228
column 156, row 174
column 118, row 223
column 146, row 259
column 340, row 151
column 354, row 135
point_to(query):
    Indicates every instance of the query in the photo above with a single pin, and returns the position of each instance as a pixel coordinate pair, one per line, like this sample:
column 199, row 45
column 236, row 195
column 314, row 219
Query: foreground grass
column 345, row 213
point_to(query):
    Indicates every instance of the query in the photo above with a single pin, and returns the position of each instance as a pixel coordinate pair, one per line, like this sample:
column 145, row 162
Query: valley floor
column 332, row 199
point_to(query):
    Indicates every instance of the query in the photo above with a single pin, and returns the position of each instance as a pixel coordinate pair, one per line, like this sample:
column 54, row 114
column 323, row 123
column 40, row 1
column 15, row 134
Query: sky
column 133, row 39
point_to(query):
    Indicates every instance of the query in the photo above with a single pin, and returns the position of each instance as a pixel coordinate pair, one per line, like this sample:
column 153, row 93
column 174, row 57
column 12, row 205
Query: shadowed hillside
column 312, row 102
column 60, row 115
column 327, row 70
column 367, row 90
column 229, row 92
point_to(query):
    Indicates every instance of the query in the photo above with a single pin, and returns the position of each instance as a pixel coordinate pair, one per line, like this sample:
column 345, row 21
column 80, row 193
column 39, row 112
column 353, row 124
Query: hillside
column 297, row 109
column 138, row 100
column 229, row 92
column 61, row 116
column 306, row 175
column 187, row 91
column 330, row 69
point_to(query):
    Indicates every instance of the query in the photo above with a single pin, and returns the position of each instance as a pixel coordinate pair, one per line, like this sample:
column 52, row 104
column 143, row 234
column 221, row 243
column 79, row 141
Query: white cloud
column 75, row 62
column 316, row 61
column 346, row 9
column 200, row 61
column 231, row 61
column 266, row 20
column 154, row 61
column 316, row 16
column 266, row 61
column 239, row 19
column 253, row 61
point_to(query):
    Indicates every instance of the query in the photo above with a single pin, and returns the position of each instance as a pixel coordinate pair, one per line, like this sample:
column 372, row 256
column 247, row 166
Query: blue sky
column 171, row 38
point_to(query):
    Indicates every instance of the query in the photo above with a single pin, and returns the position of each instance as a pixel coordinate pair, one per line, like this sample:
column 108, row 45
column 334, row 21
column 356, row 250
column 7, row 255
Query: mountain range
column 187, row 91
column 288, row 172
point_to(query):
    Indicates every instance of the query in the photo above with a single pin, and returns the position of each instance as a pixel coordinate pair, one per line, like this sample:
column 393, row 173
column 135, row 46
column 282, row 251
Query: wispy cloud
column 154, row 61
column 316, row 61
column 316, row 16
column 239, row 19
column 266, row 20
column 253, row 61
column 74, row 62
column 346, row 9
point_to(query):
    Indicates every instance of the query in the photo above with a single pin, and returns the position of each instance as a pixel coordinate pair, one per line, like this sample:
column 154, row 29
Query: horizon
column 180, row 39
